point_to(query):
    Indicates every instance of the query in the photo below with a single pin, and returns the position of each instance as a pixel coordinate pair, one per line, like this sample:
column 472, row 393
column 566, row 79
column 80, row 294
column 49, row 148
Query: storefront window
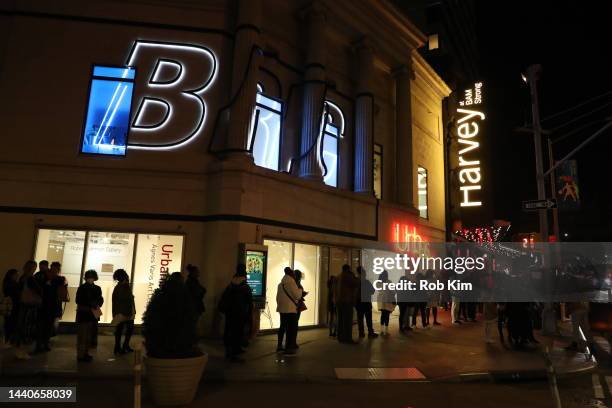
column 156, row 256
column 304, row 257
column 65, row 247
column 107, row 252
column 280, row 255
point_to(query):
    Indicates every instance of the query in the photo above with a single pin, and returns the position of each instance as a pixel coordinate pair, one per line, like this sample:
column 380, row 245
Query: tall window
column 332, row 131
column 422, row 191
column 377, row 169
column 266, row 125
column 147, row 258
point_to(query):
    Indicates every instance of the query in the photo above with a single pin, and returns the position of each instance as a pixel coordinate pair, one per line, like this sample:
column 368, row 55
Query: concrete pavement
column 439, row 353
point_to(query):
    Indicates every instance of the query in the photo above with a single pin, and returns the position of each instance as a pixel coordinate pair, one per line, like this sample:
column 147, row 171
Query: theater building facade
column 151, row 135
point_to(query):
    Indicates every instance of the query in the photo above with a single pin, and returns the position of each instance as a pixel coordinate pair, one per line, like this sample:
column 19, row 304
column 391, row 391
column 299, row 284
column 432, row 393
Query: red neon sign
column 403, row 235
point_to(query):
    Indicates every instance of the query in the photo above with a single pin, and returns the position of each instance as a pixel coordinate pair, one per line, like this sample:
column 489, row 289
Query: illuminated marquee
column 169, row 110
column 470, row 116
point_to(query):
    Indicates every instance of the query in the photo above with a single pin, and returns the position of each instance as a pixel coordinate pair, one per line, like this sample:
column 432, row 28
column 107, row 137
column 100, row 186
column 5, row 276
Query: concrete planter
column 174, row 381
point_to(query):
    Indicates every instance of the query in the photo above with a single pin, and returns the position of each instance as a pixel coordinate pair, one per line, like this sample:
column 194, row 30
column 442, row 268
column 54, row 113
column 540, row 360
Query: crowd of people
column 34, row 301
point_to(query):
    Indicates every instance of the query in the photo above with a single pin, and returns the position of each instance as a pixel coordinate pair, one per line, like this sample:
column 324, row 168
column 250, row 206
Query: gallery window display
column 306, row 258
column 146, row 258
column 66, row 247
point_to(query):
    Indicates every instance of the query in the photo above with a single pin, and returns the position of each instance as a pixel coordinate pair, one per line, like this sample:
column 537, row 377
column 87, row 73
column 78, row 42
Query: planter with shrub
column 174, row 364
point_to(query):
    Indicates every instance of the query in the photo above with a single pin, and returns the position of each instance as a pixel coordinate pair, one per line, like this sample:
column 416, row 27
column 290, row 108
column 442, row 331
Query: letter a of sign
column 169, row 110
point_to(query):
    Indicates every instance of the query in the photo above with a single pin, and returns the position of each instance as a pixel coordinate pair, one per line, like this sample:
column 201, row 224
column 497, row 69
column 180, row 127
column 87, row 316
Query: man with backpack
column 237, row 305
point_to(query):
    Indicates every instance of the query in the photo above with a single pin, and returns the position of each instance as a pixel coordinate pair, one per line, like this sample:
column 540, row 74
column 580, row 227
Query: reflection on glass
column 65, row 247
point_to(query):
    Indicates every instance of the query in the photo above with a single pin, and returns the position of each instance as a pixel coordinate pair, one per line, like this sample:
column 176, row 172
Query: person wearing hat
column 89, row 300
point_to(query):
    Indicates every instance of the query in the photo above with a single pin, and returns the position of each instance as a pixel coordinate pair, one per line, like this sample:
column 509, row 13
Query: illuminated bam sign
column 470, row 116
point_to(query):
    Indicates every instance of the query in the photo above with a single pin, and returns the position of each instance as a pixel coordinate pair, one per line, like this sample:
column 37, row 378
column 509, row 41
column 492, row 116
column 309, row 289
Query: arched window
column 332, row 127
column 266, row 130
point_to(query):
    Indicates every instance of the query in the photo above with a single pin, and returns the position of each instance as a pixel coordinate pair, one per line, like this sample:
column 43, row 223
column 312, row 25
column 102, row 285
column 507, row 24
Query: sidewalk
column 440, row 353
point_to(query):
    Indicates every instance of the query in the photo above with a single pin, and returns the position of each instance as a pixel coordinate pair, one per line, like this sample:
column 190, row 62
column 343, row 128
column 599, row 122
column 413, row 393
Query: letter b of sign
column 171, row 78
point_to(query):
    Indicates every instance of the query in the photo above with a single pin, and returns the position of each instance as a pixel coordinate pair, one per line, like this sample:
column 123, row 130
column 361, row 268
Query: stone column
column 404, row 172
column 364, row 119
column 244, row 76
column 314, row 91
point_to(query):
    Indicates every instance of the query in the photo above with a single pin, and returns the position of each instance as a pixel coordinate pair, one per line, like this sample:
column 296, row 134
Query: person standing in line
column 195, row 290
column 124, row 310
column 51, row 307
column 10, row 290
column 364, row 304
column 298, row 281
column 237, row 305
column 455, row 308
column 43, row 268
column 288, row 295
column 30, row 299
column 404, row 323
column 386, row 304
column 89, row 300
column 345, row 301
column 434, row 300
column 332, row 322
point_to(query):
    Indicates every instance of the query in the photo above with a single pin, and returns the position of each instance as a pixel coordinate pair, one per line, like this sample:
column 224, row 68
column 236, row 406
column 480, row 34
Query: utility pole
column 549, row 321
column 533, row 74
column 553, row 189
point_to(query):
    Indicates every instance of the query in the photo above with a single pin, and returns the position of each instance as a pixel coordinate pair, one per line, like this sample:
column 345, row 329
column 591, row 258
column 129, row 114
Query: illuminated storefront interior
column 145, row 257
column 317, row 263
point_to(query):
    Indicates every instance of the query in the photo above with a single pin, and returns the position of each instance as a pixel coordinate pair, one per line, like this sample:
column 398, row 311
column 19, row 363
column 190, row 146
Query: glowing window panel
column 332, row 126
column 377, row 169
column 422, row 192
column 108, row 111
column 330, row 156
column 267, row 127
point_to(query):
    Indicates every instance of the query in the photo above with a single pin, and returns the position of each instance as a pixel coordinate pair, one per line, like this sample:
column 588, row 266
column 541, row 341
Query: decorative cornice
column 429, row 75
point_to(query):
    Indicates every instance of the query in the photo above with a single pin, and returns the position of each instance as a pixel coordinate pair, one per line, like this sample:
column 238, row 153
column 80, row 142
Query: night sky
column 571, row 40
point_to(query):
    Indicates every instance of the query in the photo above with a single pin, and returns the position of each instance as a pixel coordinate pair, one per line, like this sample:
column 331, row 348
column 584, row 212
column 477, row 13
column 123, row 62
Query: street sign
column 534, row 205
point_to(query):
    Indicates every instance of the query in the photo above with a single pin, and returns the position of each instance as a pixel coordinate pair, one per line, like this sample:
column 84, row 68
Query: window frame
column 420, row 167
column 380, row 153
column 328, row 120
column 255, row 121
column 87, row 231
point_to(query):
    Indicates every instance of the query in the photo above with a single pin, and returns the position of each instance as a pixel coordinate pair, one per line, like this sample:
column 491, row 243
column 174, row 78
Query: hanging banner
column 566, row 180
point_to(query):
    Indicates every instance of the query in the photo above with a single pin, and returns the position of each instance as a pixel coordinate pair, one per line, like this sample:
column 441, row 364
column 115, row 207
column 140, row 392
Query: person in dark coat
column 124, row 310
column 363, row 304
column 345, row 301
column 195, row 289
column 51, row 307
column 30, row 299
column 10, row 290
column 89, row 300
column 237, row 305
